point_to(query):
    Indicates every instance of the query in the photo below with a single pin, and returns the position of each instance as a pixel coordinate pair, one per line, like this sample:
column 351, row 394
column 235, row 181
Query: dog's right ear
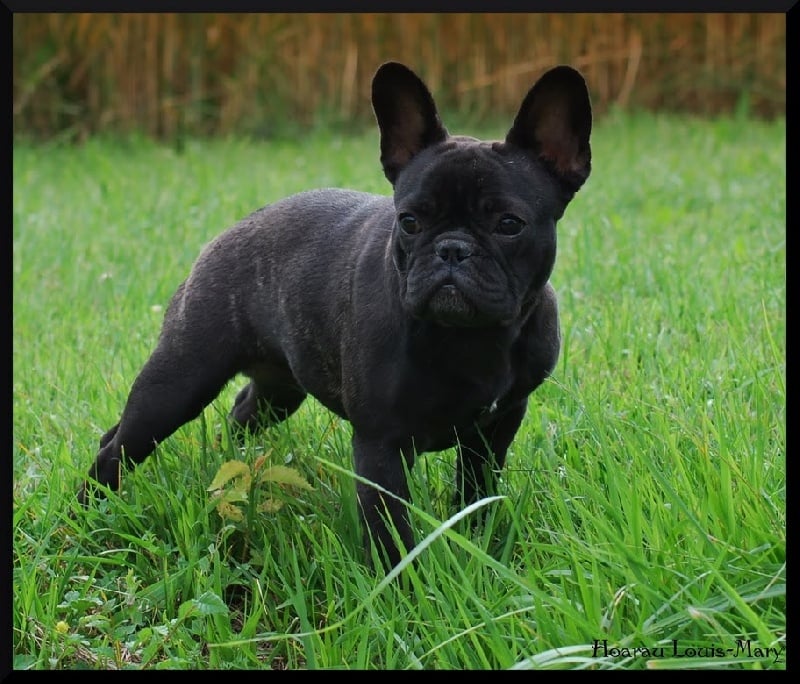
column 406, row 115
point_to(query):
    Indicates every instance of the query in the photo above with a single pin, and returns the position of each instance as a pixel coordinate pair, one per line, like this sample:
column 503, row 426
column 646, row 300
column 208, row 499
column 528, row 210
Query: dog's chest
column 433, row 405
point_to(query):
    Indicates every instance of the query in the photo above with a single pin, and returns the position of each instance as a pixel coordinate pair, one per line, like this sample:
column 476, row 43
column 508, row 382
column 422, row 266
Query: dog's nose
column 453, row 250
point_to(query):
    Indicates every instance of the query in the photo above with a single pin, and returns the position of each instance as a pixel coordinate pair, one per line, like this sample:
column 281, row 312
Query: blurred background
column 169, row 75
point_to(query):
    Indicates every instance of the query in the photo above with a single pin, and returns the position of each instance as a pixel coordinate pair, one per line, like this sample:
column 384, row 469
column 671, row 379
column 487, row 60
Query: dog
column 426, row 318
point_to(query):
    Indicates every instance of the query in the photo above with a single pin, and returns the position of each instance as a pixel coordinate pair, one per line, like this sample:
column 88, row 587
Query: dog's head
column 474, row 238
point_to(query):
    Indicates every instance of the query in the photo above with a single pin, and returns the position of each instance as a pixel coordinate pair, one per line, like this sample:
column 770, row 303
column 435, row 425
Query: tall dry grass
column 166, row 74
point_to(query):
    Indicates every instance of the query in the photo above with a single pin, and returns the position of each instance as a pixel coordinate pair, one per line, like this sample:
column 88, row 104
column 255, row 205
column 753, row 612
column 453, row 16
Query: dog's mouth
column 449, row 305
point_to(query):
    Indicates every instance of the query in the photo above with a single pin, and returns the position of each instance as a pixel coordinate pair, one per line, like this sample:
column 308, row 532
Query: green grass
column 644, row 499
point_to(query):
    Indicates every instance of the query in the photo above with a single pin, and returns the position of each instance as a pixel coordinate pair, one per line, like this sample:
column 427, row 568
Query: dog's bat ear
column 554, row 123
column 406, row 115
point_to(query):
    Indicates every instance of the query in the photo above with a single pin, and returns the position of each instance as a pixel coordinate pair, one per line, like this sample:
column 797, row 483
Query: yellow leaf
column 259, row 462
column 230, row 495
column 283, row 475
column 228, row 512
column 229, row 470
column 270, row 506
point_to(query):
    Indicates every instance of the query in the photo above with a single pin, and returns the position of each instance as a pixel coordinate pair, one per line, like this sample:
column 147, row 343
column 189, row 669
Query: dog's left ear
column 554, row 123
column 406, row 115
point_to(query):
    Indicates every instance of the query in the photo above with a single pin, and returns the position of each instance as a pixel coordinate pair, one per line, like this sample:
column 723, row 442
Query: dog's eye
column 409, row 224
column 509, row 225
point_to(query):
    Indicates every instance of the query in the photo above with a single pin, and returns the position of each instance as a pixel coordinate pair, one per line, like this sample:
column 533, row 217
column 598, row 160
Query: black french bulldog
column 425, row 319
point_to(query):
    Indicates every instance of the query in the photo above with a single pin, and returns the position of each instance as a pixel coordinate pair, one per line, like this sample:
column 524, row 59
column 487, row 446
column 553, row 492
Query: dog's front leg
column 482, row 454
column 382, row 463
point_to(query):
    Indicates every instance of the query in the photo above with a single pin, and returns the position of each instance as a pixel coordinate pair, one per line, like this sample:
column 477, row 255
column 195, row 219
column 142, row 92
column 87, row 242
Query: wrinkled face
column 474, row 237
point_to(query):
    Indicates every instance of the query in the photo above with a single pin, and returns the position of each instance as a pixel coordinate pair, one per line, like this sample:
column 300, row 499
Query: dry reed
column 205, row 74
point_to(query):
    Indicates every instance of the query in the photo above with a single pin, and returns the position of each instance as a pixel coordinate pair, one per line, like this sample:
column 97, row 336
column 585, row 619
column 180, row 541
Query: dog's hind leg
column 173, row 387
column 262, row 402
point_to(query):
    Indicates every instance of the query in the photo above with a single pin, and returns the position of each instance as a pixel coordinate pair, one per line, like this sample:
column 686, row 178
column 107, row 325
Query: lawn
column 641, row 522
